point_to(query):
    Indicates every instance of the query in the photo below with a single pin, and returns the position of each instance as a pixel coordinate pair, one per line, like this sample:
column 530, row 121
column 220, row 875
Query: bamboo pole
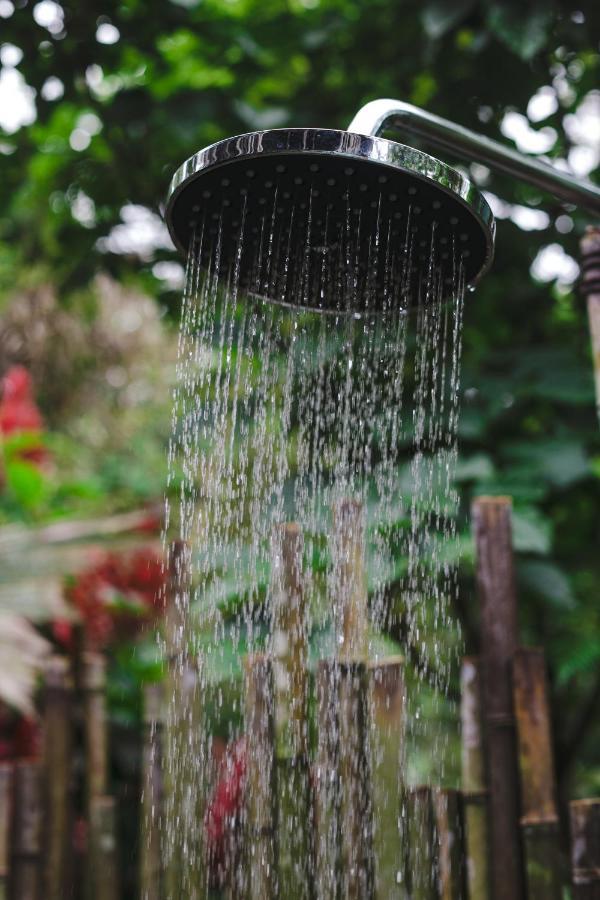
column 498, row 598
column 421, row 876
column 355, row 779
column 448, row 815
column 93, row 686
column 290, row 671
column 327, row 784
column 185, row 871
column 93, row 671
column 386, row 677
column 27, row 831
column 590, row 288
column 6, row 808
column 585, row 848
column 539, row 815
column 150, row 818
column 261, row 812
column 103, row 848
column 350, row 603
column 57, row 779
column 475, row 795
column 350, row 584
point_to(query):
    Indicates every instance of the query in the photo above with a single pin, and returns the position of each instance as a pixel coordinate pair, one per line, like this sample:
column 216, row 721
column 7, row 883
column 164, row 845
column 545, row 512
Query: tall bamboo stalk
column 355, row 780
column 475, row 795
column 448, row 815
column 58, row 691
column 290, row 671
column 350, row 584
column 590, row 288
column 96, row 736
column 350, row 603
column 27, row 831
column 499, row 638
column 261, row 811
column 539, row 815
column 93, row 684
column 327, row 784
column 387, row 690
column 103, row 848
column 585, row 848
column 151, row 812
column 422, row 874
column 185, row 871
column 6, row 806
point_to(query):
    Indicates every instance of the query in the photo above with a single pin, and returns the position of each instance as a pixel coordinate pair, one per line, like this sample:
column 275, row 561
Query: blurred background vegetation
column 101, row 101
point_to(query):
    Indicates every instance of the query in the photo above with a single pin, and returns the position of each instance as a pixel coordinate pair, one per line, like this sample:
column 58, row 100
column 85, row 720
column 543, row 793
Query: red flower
column 222, row 817
column 118, row 595
column 19, row 735
column 19, row 413
column 62, row 631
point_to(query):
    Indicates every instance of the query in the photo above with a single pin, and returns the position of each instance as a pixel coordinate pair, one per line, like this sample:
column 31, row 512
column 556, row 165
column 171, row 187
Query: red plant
column 222, row 817
column 19, row 414
column 118, row 595
column 19, row 735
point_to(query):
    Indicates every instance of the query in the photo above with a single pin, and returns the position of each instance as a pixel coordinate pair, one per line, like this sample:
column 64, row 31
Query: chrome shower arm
column 377, row 115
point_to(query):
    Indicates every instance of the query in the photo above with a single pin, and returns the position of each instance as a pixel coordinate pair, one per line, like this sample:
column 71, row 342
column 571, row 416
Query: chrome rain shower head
column 347, row 180
column 317, row 185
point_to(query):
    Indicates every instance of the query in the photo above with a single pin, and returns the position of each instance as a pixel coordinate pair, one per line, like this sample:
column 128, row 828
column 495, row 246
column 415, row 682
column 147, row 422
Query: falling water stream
column 336, row 410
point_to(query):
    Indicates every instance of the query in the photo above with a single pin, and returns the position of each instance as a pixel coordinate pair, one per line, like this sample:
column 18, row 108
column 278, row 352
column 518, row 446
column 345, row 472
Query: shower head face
column 330, row 220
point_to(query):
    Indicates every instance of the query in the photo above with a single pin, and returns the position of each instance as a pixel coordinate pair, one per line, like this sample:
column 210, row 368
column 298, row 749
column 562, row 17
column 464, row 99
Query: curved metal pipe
column 377, row 115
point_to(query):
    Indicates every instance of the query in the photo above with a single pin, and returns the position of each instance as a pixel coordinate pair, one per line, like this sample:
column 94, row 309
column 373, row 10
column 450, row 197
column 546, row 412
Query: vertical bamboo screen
column 6, row 799
column 539, row 815
column 499, row 639
column 474, row 781
column 27, row 831
column 330, row 830
column 58, row 713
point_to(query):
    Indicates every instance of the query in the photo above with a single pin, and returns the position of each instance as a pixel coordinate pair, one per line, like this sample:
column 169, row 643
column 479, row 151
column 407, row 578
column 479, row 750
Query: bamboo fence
column 339, row 823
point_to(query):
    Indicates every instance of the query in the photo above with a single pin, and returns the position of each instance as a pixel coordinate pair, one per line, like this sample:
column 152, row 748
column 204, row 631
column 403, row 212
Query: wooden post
column 498, row 598
column 150, row 818
column 103, row 848
column 386, row 678
column 184, row 779
column 539, row 815
column 57, row 779
column 448, row 814
column 261, row 813
column 327, row 784
column 350, row 604
column 93, row 679
column 350, row 585
column 590, row 288
column 585, row 848
column 27, row 831
column 421, row 876
column 355, row 781
column 475, row 795
column 290, row 673
column 6, row 808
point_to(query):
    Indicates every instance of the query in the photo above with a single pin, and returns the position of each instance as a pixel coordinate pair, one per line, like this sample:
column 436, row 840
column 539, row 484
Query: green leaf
column 583, row 656
column 523, row 32
column 474, row 468
column 548, row 581
column 561, row 462
column 532, row 533
column 26, row 482
column 439, row 16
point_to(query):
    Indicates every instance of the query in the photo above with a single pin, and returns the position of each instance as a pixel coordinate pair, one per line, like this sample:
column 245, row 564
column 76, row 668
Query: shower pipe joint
column 382, row 115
